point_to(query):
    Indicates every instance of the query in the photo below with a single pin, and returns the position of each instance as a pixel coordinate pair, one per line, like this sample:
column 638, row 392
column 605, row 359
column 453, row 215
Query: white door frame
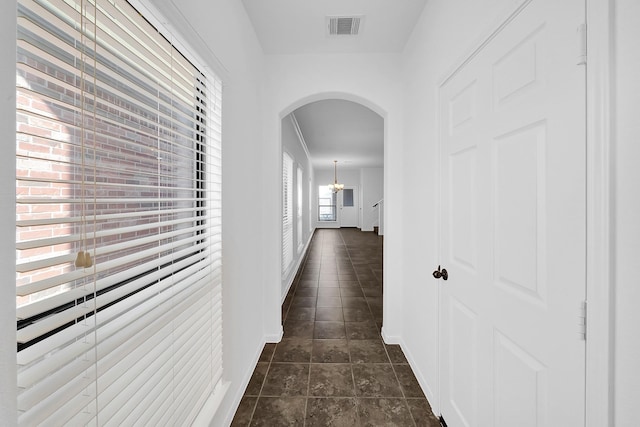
column 356, row 204
column 599, row 345
column 599, row 350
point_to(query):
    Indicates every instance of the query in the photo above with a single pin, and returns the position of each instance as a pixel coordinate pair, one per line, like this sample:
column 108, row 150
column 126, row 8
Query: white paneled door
column 348, row 202
column 512, row 135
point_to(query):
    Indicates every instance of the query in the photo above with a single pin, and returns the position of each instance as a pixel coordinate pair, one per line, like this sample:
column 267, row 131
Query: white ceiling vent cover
column 343, row 25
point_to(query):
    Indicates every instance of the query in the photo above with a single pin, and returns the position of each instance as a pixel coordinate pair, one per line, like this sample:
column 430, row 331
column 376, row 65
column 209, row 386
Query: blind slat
column 123, row 380
column 52, row 322
column 44, row 284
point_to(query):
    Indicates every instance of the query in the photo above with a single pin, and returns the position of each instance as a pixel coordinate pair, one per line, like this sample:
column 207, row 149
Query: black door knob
column 441, row 273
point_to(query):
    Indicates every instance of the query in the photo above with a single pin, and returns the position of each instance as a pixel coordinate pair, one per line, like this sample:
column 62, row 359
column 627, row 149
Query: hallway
column 331, row 367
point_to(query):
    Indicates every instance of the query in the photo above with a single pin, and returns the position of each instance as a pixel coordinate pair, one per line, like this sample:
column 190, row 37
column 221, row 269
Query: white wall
column 447, row 29
column 370, row 79
column 292, row 145
column 626, row 181
column 371, row 184
column 8, row 409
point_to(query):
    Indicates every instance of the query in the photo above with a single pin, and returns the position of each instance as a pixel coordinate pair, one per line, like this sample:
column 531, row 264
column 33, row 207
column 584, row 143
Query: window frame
column 331, row 205
column 207, row 201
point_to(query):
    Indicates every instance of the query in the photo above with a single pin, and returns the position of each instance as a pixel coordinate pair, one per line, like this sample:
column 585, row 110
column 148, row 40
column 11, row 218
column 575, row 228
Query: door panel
column 520, row 385
column 513, row 225
column 463, row 213
column 348, row 203
column 519, row 206
column 463, row 354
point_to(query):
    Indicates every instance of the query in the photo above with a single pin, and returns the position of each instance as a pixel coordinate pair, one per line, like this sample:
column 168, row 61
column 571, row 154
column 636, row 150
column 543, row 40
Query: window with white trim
column 118, row 180
column 326, row 204
column 287, row 212
column 310, row 200
column 299, row 208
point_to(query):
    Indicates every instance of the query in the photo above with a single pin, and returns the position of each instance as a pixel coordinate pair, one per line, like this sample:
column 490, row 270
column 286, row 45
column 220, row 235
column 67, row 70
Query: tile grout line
column 353, row 376
column 404, row 397
column 264, row 380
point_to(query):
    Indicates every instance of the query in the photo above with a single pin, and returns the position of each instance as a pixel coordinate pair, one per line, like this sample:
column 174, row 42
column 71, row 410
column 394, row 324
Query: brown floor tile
column 304, row 302
column 374, row 302
column 329, row 301
column 357, row 314
column 367, row 351
column 422, row 414
column 301, row 313
column 279, row 411
column 307, row 292
column 286, row 379
column 351, row 292
column 333, row 412
column 331, row 379
column 354, row 302
column 329, row 314
column 370, row 292
column 257, row 379
column 293, row 350
column 328, row 284
column 408, row 382
column 370, row 283
column 308, row 283
column 267, row 352
column 348, row 284
column 330, row 351
column 328, row 292
column 395, row 353
column 375, row 381
column 244, row 412
column 362, row 330
column 329, row 330
column 298, row 329
column 384, row 412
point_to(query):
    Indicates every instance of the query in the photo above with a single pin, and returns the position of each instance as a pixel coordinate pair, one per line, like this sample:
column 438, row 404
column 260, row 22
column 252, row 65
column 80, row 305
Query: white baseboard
column 274, row 338
column 243, row 386
column 208, row 411
column 424, row 384
column 390, row 339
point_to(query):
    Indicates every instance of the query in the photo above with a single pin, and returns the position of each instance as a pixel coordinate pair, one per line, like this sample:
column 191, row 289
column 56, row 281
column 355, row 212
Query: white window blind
column 310, row 200
column 118, row 239
column 287, row 212
column 299, row 208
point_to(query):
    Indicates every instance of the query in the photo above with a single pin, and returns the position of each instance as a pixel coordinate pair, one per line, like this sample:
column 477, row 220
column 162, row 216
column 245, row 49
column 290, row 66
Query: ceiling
column 346, row 131
column 336, row 129
column 299, row 26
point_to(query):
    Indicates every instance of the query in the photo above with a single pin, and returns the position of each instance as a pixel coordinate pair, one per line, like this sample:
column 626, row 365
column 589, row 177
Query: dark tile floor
column 332, row 367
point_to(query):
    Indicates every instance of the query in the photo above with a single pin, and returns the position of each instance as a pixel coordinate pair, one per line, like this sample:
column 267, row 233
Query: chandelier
column 335, row 187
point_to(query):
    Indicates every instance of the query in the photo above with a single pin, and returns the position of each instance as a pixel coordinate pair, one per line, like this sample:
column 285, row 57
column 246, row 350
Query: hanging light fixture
column 335, row 187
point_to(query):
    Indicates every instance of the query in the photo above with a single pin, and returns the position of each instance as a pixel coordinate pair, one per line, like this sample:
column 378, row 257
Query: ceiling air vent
column 343, row 25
